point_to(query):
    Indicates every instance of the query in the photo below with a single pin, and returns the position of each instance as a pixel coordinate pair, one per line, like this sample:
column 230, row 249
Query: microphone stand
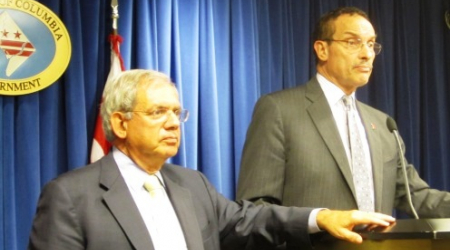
column 392, row 126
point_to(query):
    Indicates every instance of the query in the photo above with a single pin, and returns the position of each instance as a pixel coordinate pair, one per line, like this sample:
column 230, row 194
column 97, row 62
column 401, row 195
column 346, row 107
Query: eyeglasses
column 355, row 45
column 160, row 113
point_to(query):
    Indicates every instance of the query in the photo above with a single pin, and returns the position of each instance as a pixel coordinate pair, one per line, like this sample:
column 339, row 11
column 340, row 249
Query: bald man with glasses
column 316, row 145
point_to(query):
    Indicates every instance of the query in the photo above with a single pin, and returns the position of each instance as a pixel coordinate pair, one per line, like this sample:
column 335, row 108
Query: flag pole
column 115, row 15
column 115, row 38
column 100, row 145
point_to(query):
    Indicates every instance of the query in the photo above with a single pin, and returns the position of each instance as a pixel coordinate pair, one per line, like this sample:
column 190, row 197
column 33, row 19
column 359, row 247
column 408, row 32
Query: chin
column 362, row 81
column 363, row 84
column 171, row 152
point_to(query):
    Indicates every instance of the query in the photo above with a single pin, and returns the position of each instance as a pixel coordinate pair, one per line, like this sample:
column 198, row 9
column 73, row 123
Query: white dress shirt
column 155, row 216
column 334, row 96
column 135, row 177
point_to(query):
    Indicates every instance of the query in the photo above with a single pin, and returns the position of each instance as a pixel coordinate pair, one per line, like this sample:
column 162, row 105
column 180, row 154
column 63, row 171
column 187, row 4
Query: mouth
column 170, row 140
column 364, row 68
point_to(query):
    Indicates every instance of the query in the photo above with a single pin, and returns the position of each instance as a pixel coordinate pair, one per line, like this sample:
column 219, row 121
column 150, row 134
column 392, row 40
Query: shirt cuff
column 312, row 221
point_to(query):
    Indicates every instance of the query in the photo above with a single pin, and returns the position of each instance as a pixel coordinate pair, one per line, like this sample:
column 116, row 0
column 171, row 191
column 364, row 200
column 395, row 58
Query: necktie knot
column 348, row 102
column 153, row 185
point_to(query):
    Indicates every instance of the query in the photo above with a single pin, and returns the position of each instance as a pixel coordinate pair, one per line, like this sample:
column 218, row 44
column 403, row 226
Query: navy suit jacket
column 92, row 208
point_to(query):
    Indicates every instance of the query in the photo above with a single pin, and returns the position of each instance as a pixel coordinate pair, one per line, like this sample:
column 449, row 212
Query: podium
column 407, row 234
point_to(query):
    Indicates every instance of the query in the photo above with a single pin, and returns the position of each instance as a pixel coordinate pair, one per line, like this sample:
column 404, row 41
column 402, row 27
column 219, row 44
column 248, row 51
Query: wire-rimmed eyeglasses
column 160, row 113
column 355, row 45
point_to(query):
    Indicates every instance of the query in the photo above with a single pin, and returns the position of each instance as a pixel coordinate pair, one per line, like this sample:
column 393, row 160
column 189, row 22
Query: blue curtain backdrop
column 223, row 55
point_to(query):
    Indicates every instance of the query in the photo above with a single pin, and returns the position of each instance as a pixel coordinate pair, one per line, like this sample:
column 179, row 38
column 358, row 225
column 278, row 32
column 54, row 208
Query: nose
column 172, row 120
column 366, row 51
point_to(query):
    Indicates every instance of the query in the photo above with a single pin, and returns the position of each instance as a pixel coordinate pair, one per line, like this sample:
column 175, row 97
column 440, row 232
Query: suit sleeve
column 262, row 170
column 54, row 226
column 244, row 224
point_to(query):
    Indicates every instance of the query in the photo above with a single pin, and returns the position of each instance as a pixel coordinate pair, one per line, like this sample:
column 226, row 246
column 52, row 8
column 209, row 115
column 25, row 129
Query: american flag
column 100, row 146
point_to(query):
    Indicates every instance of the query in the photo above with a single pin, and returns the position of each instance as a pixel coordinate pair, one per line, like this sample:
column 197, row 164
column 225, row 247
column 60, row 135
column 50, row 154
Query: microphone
column 392, row 126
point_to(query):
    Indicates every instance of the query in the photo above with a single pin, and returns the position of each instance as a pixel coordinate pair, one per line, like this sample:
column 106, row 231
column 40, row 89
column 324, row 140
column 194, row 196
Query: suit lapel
column 321, row 115
column 375, row 153
column 119, row 201
column 184, row 207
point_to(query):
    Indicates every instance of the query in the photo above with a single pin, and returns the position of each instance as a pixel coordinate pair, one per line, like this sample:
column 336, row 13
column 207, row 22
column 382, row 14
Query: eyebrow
column 166, row 107
column 357, row 35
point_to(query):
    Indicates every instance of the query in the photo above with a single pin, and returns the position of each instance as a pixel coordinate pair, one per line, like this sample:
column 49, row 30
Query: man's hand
column 341, row 223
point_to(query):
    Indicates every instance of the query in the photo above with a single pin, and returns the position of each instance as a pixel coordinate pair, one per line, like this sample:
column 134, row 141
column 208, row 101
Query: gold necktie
column 154, row 187
column 167, row 232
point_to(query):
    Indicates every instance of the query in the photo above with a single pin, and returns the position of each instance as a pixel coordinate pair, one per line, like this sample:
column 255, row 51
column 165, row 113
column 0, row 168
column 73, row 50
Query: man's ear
column 321, row 48
column 119, row 124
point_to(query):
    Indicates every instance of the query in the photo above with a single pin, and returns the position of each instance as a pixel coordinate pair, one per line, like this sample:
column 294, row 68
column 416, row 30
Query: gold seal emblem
column 35, row 47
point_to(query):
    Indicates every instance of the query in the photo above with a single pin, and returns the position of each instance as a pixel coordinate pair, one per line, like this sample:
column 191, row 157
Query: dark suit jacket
column 294, row 156
column 92, row 208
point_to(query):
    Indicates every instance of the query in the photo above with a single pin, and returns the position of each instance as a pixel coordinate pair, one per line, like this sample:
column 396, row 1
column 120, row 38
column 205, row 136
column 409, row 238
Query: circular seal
column 35, row 47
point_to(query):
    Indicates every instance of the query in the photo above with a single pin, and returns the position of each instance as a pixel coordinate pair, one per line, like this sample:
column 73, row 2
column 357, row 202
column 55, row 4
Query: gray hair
column 120, row 94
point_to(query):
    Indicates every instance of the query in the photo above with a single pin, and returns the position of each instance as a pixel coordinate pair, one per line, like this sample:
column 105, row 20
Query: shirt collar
column 332, row 92
column 134, row 176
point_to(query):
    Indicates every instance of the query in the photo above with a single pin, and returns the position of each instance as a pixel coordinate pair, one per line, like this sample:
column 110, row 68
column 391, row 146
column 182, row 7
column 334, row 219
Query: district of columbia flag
column 100, row 146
